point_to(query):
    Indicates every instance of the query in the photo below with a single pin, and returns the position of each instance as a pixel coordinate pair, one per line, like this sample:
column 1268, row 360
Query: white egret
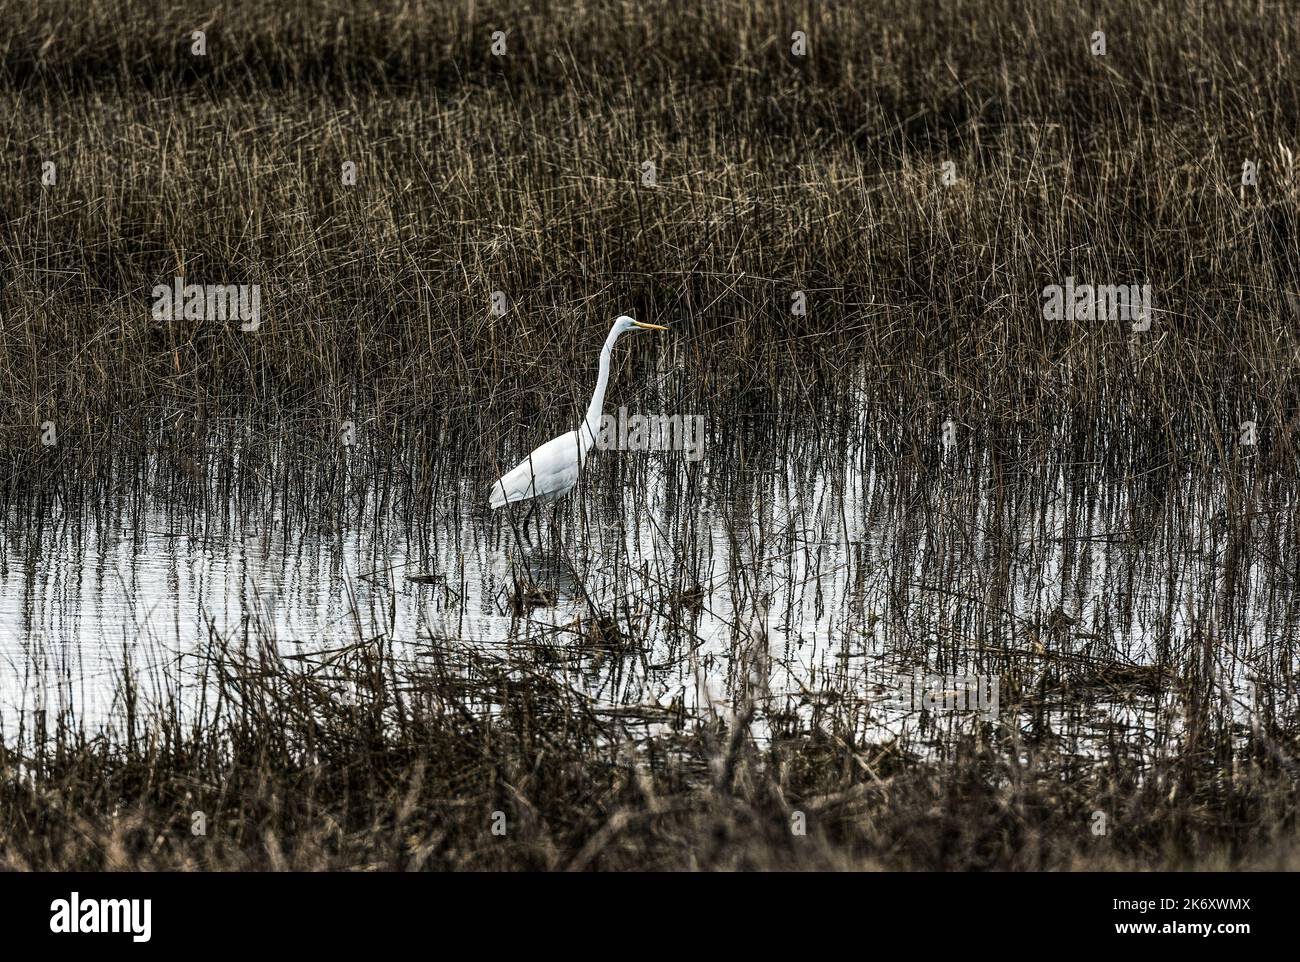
column 551, row 471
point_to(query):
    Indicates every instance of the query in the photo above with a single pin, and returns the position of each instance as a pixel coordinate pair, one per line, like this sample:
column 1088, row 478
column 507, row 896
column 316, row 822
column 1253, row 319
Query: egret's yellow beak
column 650, row 327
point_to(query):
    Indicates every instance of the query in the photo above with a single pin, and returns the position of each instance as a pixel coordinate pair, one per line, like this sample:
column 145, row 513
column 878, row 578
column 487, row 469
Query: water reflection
column 810, row 584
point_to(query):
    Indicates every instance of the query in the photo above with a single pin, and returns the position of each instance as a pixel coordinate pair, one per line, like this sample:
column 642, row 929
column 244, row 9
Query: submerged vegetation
column 922, row 470
column 458, row 759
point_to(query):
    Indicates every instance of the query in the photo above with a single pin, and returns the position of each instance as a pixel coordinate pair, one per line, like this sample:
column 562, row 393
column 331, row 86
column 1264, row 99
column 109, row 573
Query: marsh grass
column 357, row 759
column 775, row 173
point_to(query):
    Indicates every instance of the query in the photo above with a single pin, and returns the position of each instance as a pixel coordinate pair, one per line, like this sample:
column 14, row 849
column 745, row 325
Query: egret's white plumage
column 552, row 470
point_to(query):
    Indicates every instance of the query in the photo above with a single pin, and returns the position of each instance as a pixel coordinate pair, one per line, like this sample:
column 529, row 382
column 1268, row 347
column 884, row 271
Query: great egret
column 551, row 471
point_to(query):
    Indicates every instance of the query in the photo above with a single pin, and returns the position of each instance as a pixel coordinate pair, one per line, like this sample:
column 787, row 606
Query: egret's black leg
column 531, row 506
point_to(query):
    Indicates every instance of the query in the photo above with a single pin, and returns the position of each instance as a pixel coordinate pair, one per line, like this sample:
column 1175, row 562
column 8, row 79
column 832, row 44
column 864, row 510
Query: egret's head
column 623, row 324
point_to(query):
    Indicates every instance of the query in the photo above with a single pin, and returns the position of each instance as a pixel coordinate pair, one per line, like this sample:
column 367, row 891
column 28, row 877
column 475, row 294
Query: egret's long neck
column 591, row 422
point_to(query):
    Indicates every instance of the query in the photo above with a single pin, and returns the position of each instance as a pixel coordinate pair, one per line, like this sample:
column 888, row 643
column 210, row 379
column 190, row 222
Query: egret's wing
column 548, row 472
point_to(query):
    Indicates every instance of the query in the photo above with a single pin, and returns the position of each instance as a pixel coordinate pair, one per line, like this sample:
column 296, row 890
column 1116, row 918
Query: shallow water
column 811, row 584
